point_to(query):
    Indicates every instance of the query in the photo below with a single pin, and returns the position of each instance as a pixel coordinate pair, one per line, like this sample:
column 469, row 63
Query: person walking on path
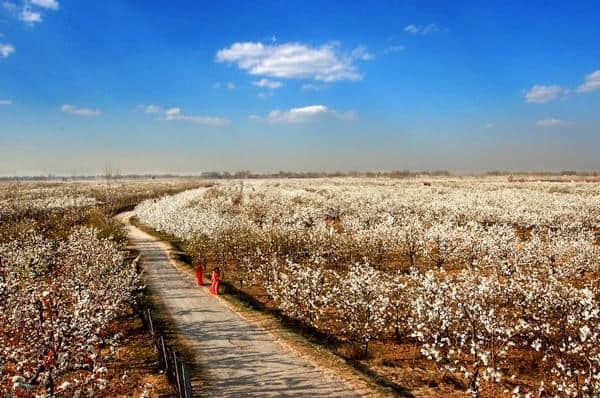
column 199, row 273
column 216, row 281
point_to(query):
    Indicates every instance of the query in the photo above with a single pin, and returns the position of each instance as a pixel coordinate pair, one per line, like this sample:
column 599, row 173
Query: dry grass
column 135, row 365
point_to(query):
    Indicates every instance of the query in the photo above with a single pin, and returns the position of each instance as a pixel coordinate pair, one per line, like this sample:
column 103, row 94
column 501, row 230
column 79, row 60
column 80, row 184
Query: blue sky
column 191, row 86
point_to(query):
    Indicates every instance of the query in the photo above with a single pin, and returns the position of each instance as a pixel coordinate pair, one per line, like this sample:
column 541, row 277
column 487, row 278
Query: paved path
column 237, row 357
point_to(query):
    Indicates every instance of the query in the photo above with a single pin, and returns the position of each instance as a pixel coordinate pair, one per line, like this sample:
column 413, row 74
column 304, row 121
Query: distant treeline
column 544, row 173
column 246, row 174
column 52, row 177
column 313, row 174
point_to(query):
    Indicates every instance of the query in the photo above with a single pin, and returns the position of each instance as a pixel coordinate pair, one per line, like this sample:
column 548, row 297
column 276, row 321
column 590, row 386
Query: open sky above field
column 174, row 86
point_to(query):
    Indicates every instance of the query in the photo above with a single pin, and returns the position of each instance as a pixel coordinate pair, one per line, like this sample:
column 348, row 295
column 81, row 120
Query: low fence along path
column 236, row 358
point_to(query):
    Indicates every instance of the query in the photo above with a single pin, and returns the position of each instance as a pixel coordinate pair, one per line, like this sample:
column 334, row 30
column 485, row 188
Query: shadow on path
column 237, row 358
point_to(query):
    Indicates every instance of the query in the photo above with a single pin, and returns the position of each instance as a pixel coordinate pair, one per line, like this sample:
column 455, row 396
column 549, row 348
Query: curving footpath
column 237, row 358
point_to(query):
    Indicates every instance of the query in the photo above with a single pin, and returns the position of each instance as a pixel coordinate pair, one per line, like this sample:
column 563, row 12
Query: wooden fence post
column 150, row 322
column 173, row 370
column 164, row 350
column 187, row 383
column 181, row 394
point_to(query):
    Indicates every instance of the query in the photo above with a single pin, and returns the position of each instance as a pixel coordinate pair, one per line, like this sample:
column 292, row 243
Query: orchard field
column 69, row 288
column 478, row 287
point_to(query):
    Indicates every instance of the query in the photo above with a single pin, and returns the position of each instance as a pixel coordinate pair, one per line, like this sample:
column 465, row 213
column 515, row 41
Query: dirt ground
column 234, row 356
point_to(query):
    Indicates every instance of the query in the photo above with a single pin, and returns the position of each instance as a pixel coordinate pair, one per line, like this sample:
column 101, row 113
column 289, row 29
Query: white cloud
column 176, row 114
column 49, row 4
column 10, row 6
column 5, row 102
column 6, row 50
column 73, row 110
column 30, row 17
column 265, row 94
column 272, row 84
column 361, row 53
column 592, row 83
column 153, row 109
column 30, row 11
column 552, row 122
column 227, row 85
column 393, row 49
column 295, row 60
column 307, row 114
column 254, row 117
column 540, row 94
column 172, row 113
column 424, row 29
column 412, row 29
column 489, row 125
column 313, row 87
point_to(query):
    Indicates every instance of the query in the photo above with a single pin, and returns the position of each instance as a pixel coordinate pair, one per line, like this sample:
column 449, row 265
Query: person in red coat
column 216, row 281
column 199, row 273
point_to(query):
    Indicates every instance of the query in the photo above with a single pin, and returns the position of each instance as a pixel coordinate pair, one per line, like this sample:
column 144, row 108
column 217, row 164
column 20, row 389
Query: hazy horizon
column 188, row 87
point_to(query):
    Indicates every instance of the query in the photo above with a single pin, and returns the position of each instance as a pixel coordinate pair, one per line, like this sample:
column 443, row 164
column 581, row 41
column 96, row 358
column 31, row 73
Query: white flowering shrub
column 465, row 325
column 440, row 244
column 62, row 285
column 56, row 301
column 470, row 243
column 476, row 273
column 301, row 291
column 361, row 303
column 560, row 322
column 398, row 289
column 410, row 239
